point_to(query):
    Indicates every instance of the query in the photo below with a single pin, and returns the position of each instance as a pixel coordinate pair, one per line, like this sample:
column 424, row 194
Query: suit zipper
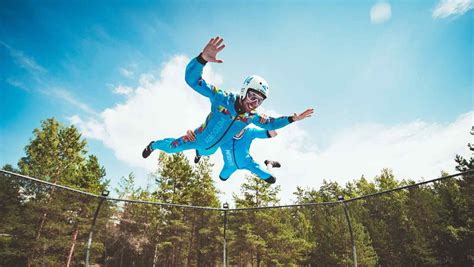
column 233, row 153
column 224, row 132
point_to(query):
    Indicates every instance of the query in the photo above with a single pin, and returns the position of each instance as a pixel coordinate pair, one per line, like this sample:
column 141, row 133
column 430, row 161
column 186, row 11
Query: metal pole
column 225, row 206
column 92, row 229
column 346, row 212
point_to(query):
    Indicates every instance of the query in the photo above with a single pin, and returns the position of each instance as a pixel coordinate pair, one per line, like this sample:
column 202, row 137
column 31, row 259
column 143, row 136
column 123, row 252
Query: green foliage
column 263, row 237
column 168, row 235
column 48, row 224
column 429, row 225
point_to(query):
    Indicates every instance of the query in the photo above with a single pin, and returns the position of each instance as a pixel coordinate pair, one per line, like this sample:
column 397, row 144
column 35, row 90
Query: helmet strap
column 239, row 107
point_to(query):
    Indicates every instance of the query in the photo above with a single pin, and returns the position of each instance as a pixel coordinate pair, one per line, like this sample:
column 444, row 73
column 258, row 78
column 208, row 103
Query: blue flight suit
column 236, row 155
column 222, row 123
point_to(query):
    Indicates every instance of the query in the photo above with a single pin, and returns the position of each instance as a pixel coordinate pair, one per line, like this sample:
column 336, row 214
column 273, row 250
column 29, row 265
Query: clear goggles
column 255, row 97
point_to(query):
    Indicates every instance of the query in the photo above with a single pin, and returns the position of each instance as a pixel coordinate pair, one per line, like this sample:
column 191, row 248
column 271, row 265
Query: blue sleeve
column 271, row 123
column 257, row 133
column 194, row 79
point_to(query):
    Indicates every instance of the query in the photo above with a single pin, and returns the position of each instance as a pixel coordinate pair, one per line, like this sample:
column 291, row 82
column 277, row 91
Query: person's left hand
column 210, row 51
column 306, row 114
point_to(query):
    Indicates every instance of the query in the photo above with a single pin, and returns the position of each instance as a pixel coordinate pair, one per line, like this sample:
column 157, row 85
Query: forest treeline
column 43, row 225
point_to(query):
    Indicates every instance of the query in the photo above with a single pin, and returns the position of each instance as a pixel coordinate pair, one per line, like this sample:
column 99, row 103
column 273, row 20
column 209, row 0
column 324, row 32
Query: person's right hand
column 191, row 135
column 214, row 46
column 272, row 133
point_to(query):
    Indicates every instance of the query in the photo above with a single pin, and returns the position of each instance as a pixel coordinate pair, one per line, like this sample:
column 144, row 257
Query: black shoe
column 275, row 164
column 197, row 158
column 270, row 180
column 147, row 151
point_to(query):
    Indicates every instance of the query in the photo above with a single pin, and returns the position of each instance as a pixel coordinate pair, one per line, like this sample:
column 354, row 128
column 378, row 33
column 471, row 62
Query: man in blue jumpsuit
column 229, row 114
column 237, row 156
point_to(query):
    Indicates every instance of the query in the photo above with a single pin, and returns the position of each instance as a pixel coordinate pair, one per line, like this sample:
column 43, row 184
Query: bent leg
column 256, row 169
column 226, row 172
column 171, row 145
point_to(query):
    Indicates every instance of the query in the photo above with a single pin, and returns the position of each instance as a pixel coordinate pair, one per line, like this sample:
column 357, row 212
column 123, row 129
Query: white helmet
column 256, row 83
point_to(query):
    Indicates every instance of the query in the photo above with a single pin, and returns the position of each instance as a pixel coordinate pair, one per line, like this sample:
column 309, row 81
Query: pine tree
column 205, row 241
column 456, row 229
column 186, row 237
column 466, row 184
column 263, row 237
column 12, row 208
column 56, row 217
column 384, row 216
column 421, row 224
column 328, row 232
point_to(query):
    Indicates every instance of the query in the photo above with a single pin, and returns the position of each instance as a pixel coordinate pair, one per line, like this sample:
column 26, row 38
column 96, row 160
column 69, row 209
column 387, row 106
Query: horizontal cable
column 286, row 206
column 7, row 173
column 470, row 171
column 162, row 204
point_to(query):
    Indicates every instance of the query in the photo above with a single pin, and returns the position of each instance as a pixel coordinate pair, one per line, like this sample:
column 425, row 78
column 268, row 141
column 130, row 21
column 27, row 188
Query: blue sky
column 371, row 70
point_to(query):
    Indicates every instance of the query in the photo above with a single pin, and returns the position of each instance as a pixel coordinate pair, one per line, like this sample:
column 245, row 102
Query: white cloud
column 24, row 61
column 18, row 84
column 159, row 108
column 166, row 107
column 412, row 150
column 380, row 13
column 69, row 98
column 123, row 90
column 91, row 128
column 126, row 73
column 446, row 8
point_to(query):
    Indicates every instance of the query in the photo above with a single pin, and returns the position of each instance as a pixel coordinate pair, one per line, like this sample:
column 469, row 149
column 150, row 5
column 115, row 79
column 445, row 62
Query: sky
column 391, row 82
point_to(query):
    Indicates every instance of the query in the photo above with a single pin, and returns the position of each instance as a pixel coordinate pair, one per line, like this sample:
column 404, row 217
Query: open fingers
column 220, row 48
column 308, row 111
column 191, row 135
column 218, row 41
column 210, row 42
column 306, row 114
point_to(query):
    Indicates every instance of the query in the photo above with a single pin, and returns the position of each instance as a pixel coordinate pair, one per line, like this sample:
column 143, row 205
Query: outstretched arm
column 259, row 133
column 277, row 123
column 194, row 69
column 306, row 114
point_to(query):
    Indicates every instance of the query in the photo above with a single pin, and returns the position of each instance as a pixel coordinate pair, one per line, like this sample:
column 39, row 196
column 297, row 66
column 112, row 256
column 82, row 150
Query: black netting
column 426, row 225
column 429, row 224
column 43, row 224
column 140, row 234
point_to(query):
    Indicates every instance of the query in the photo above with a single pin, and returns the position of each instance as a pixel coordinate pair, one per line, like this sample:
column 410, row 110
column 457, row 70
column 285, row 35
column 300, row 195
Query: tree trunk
column 57, row 174
column 188, row 261
column 71, row 252
column 38, row 233
column 41, row 225
column 121, row 257
column 173, row 255
column 155, row 255
column 258, row 259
